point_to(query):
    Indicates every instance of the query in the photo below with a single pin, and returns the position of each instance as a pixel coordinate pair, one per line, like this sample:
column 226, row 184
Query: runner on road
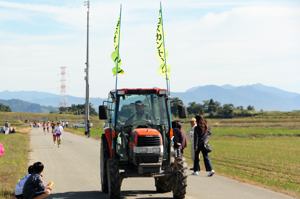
column 53, row 132
column 48, row 126
column 44, row 126
column 58, row 132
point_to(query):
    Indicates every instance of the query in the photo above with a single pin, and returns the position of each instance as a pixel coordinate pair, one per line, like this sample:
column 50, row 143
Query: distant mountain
column 257, row 95
column 46, row 99
column 17, row 105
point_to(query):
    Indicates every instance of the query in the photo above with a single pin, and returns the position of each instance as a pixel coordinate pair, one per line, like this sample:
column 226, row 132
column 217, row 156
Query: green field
column 271, row 161
column 258, row 150
column 262, row 150
column 13, row 165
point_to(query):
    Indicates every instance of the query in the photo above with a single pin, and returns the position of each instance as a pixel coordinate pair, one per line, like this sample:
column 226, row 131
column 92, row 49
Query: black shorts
column 19, row 196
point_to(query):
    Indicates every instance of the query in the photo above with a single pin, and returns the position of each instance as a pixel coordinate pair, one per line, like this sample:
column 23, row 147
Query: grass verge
column 15, row 161
column 95, row 132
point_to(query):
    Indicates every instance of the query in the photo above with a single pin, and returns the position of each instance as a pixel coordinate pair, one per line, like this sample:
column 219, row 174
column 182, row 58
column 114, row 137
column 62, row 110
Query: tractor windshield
column 142, row 111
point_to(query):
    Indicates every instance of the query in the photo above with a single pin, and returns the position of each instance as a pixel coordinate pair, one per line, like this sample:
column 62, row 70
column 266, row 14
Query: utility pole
column 87, row 86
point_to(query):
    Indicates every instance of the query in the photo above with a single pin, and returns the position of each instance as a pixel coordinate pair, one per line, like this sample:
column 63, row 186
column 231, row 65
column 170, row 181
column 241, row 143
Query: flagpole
column 165, row 56
column 116, row 62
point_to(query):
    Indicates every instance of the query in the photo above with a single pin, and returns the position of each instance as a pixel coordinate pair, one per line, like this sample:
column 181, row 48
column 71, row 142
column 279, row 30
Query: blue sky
column 208, row 42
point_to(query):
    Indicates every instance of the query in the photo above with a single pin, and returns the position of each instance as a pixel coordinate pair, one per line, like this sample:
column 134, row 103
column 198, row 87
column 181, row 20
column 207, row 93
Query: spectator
column 179, row 136
column 201, row 136
column 34, row 187
column 12, row 130
column 20, row 184
column 6, row 127
column 193, row 125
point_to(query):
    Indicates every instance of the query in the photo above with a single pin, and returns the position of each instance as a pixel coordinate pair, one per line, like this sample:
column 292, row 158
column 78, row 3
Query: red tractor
column 137, row 141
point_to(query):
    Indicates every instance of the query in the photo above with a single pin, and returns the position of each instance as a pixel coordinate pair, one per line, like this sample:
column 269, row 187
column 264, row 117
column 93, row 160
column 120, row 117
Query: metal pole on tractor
column 87, row 88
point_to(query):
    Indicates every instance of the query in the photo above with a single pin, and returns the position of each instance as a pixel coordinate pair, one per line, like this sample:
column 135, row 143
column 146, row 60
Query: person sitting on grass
column 20, row 184
column 34, row 187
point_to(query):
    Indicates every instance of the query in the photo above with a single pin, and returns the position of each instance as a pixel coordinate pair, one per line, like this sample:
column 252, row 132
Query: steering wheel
column 143, row 123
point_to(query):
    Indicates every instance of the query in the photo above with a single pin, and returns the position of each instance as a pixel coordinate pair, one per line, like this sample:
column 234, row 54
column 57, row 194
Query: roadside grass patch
column 13, row 165
column 94, row 132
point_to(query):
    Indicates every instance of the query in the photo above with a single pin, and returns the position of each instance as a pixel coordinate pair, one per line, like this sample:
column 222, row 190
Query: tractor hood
column 142, row 132
column 146, row 137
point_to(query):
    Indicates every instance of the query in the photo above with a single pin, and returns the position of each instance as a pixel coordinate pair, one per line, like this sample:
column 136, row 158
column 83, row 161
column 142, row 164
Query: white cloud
column 226, row 47
column 241, row 43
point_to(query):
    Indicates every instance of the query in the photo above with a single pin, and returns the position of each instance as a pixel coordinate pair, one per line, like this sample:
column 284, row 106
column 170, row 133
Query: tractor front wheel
column 103, row 167
column 180, row 178
column 114, row 180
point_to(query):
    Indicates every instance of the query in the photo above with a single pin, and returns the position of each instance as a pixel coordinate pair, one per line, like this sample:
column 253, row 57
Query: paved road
column 74, row 168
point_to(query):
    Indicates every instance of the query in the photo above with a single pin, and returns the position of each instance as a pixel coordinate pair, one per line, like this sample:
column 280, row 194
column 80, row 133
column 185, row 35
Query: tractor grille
column 149, row 141
column 147, row 159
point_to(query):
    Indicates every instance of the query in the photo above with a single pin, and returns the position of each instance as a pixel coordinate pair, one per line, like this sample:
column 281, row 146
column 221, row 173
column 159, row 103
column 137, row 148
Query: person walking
column 201, row 136
column 193, row 125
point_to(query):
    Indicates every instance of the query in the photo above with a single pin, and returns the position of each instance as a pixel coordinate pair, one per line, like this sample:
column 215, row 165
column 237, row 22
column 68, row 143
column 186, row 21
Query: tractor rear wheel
column 180, row 178
column 103, row 162
column 114, row 180
column 163, row 184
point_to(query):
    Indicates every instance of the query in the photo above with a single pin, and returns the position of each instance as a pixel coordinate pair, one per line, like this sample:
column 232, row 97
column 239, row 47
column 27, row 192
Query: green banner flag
column 164, row 69
column 116, row 55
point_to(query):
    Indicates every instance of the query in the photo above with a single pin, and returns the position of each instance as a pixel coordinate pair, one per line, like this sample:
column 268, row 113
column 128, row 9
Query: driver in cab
column 140, row 117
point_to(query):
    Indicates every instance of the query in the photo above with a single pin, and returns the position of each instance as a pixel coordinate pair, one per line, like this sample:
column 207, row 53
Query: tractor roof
column 124, row 91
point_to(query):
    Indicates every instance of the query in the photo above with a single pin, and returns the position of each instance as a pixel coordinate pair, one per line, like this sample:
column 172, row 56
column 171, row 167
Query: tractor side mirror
column 102, row 112
column 182, row 112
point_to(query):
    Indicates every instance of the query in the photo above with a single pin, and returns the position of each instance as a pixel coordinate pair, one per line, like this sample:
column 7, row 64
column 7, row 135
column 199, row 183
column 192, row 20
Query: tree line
column 4, row 108
column 76, row 109
column 213, row 109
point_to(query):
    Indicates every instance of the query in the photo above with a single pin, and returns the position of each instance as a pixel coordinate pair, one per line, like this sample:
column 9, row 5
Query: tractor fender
column 109, row 135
